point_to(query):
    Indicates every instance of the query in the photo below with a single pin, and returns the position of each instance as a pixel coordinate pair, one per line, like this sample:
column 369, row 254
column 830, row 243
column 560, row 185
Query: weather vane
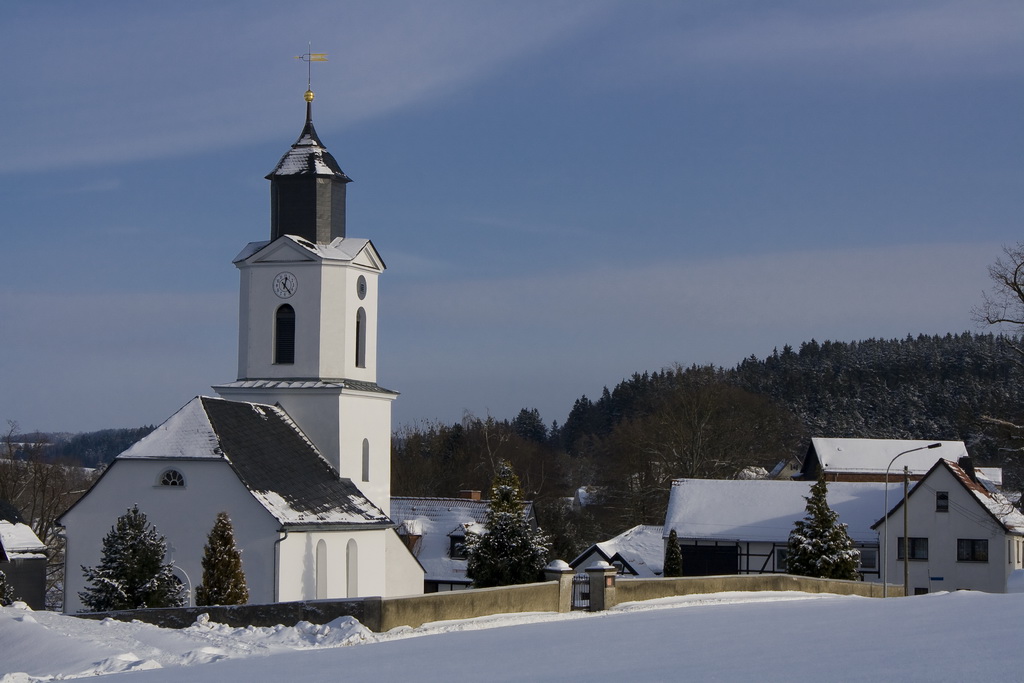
column 309, row 58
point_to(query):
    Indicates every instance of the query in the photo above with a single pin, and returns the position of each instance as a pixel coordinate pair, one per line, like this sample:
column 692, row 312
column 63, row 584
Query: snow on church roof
column 339, row 249
column 271, row 456
column 765, row 510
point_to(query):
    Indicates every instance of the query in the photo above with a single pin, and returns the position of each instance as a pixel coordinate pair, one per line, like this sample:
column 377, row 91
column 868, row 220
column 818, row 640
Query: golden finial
column 309, row 95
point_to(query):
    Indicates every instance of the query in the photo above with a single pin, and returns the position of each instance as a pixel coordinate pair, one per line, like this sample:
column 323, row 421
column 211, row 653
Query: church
column 297, row 450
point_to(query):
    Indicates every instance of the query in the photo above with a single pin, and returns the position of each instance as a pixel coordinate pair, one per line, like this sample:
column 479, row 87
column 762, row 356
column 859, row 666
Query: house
column 868, row 459
column 297, row 450
column 22, row 558
column 638, row 552
column 434, row 530
column 737, row 526
column 963, row 533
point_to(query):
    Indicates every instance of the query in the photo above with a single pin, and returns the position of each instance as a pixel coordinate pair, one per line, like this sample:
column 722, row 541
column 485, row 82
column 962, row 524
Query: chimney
column 469, row 494
column 968, row 467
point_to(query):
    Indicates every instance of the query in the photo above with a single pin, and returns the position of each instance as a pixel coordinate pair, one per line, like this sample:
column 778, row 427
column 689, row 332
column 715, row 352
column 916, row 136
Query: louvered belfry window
column 284, row 336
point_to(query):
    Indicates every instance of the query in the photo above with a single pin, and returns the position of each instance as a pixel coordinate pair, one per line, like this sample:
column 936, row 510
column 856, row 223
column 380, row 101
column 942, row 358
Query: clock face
column 285, row 285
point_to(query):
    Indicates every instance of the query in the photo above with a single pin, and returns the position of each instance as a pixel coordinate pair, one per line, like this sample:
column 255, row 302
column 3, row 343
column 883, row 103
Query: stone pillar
column 560, row 571
column 602, row 586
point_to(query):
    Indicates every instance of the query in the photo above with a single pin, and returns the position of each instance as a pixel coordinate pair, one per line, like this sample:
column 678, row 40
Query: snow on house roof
column 765, row 510
column 641, row 547
column 436, row 521
column 18, row 541
column 271, row 456
column 872, row 456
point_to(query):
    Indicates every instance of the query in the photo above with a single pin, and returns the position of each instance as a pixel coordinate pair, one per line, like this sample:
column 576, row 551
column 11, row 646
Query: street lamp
column 885, row 523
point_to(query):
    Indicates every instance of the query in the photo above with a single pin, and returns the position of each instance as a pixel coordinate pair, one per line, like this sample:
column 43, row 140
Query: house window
column 868, row 558
column 172, row 478
column 918, row 548
column 972, row 550
column 361, row 338
column 942, row 501
column 284, row 335
column 920, row 591
column 780, row 559
column 457, row 547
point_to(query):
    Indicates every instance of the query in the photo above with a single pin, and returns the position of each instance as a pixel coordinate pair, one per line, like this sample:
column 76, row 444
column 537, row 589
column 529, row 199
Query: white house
column 638, row 552
column 434, row 530
column 963, row 534
column 736, row 526
column 299, row 453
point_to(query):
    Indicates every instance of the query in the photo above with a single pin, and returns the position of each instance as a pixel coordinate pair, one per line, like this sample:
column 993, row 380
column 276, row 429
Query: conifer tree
column 132, row 572
column 6, row 591
column 819, row 545
column 673, row 556
column 223, row 578
column 510, row 551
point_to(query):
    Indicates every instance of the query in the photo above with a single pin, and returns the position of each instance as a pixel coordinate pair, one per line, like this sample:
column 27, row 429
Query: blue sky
column 564, row 192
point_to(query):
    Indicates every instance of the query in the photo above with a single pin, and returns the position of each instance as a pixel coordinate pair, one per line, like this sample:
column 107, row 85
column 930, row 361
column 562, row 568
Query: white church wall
column 183, row 515
column 303, row 576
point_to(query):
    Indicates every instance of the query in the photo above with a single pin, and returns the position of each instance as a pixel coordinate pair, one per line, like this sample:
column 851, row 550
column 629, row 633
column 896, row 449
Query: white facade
column 963, row 535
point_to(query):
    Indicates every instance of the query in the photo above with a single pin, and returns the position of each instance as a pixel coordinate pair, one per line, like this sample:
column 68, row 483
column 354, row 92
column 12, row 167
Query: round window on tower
column 361, row 287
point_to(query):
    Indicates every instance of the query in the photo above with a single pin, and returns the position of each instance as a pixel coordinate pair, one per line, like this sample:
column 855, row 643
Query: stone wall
column 383, row 614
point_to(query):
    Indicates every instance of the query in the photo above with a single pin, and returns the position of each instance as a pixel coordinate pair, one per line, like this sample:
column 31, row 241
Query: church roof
column 339, row 249
column 271, row 456
column 308, row 156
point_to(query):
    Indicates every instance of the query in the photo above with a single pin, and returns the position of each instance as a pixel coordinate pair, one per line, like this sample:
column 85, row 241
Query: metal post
column 885, row 520
column 906, row 533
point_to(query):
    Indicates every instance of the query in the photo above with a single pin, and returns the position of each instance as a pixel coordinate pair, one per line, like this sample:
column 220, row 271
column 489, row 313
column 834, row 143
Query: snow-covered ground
column 728, row 636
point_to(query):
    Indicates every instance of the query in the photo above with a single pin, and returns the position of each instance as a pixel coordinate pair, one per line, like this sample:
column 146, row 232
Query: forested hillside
column 700, row 421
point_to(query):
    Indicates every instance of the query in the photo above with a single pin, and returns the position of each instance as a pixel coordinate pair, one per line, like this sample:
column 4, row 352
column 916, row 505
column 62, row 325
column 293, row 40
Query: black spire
column 307, row 189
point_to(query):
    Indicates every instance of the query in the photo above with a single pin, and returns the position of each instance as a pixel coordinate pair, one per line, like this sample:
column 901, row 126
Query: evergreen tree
column 510, row 551
column 673, row 556
column 132, row 572
column 6, row 591
column 819, row 545
column 223, row 578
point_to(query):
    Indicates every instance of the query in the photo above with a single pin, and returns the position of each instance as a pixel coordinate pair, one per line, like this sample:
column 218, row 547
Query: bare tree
column 1004, row 303
column 41, row 491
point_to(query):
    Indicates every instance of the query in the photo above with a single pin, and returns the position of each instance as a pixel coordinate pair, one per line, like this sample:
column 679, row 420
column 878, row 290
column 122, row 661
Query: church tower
column 307, row 324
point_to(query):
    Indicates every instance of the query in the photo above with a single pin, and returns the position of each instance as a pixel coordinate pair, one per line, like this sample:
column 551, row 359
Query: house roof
column 17, row 540
column 435, row 521
column 271, row 456
column 995, row 504
column 766, row 510
column 642, row 548
column 872, row 456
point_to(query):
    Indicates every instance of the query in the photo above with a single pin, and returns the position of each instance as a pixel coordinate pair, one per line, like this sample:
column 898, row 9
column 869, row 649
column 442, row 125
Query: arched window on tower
column 366, row 460
column 361, row 338
column 284, row 335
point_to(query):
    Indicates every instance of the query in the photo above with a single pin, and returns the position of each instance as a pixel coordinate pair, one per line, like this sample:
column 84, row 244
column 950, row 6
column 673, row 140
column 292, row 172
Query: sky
column 764, row 636
column 564, row 192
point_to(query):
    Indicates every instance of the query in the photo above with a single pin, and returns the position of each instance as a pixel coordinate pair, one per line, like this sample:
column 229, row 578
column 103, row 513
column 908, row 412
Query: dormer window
column 457, row 547
column 172, row 477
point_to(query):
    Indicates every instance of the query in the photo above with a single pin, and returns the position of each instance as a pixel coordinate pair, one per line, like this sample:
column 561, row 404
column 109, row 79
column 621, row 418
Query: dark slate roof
column 272, row 457
column 308, row 156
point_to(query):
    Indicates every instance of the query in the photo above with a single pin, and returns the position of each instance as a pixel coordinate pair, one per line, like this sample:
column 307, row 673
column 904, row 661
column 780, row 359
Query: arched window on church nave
column 284, row 335
column 352, row 568
column 366, row 460
column 171, row 477
column 361, row 338
column 321, row 570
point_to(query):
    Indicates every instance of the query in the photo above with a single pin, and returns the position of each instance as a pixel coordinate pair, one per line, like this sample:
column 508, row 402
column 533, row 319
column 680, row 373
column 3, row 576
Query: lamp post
column 885, row 523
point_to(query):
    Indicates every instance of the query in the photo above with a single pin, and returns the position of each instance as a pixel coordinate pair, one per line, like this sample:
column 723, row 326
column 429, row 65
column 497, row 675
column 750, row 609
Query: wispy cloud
column 131, row 82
